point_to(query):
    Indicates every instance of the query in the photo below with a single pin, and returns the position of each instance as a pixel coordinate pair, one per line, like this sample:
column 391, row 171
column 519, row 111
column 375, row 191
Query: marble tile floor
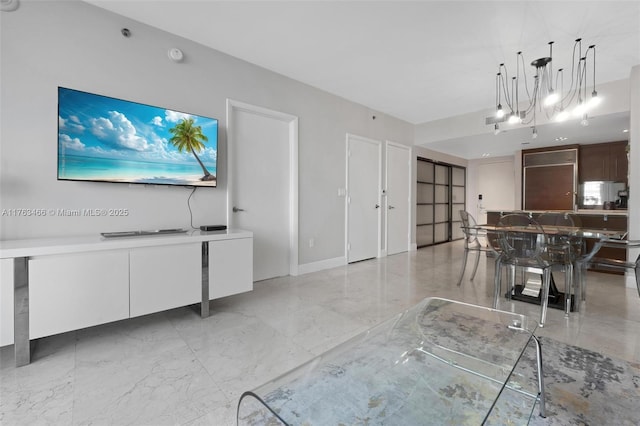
column 175, row 368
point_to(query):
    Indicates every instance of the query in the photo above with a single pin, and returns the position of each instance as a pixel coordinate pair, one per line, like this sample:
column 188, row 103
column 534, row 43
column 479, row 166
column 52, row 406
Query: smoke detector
column 175, row 54
column 9, row 5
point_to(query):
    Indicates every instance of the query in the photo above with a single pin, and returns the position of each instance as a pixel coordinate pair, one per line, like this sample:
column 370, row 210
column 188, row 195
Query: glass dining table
column 440, row 362
column 574, row 289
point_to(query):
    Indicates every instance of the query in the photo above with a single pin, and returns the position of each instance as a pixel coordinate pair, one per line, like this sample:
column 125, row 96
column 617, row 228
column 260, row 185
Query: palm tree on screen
column 187, row 137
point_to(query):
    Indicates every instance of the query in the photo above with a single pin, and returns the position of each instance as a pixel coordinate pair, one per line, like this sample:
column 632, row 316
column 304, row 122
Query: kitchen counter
column 620, row 212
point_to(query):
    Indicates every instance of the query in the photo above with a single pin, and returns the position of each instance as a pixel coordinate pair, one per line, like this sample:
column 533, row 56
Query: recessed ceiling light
column 486, row 154
column 625, row 131
column 561, row 138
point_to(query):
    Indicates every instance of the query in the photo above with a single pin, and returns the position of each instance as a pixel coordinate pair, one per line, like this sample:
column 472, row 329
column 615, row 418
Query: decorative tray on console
column 142, row 233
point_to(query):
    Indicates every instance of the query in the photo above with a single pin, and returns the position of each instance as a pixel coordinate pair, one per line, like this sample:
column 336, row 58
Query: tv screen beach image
column 113, row 140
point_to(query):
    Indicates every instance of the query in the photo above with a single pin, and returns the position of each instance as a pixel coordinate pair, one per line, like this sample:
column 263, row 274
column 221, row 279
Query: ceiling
column 416, row 60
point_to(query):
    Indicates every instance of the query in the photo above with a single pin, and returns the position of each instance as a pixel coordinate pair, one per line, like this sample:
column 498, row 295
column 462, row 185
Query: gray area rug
column 585, row 387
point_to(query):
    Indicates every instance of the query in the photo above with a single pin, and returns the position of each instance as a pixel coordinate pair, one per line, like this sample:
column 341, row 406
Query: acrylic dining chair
column 523, row 244
column 563, row 251
column 474, row 241
column 591, row 260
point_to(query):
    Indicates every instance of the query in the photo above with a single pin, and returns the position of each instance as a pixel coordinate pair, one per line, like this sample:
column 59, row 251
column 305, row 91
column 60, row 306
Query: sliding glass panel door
column 440, row 196
column 424, row 201
column 442, row 210
column 458, row 196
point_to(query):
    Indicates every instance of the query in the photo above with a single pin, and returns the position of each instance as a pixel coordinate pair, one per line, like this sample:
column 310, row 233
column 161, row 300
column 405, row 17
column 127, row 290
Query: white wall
column 73, row 44
column 495, row 179
column 634, row 167
column 423, row 152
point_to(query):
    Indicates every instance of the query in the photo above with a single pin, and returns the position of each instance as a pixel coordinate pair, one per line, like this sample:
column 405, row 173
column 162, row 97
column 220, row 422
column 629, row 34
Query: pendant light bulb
column 552, row 98
column 595, row 99
column 580, row 109
column 514, row 118
column 585, row 121
column 499, row 111
column 496, row 129
column 562, row 115
column 534, row 134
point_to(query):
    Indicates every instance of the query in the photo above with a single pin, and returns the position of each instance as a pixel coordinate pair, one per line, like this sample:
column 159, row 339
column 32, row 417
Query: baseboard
column 321, row 265
column 413, row 247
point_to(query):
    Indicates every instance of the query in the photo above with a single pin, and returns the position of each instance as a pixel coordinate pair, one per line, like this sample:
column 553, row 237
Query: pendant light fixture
column 547, row 94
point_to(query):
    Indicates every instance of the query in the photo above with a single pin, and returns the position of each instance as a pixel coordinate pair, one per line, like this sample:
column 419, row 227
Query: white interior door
column 363, row 198
column 263, row 185
column 398, row 186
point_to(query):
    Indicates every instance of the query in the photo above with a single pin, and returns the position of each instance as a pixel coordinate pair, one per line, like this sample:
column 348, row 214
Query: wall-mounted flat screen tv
column 105, row 139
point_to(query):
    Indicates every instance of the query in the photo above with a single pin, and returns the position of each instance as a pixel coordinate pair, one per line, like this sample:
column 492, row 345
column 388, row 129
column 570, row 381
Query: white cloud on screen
column 69, row 143
column 117, row 131
column 174, row 116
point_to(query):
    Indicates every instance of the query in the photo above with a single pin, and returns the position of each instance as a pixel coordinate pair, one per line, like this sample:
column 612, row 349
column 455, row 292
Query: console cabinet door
column 73, row 291
column 6, row 302
column 165, row 277
column 230, row 267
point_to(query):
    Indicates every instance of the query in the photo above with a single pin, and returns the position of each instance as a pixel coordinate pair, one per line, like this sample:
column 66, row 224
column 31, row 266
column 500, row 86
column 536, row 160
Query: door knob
column 235, row 209
column 377, row 206
column 391, row 207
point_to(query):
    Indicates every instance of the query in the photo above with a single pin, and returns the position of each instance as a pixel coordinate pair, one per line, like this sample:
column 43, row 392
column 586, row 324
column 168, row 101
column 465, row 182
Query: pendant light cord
column 189, row 206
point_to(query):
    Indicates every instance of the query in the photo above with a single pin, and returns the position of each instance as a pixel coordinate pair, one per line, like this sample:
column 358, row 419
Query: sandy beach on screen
column 193, row 180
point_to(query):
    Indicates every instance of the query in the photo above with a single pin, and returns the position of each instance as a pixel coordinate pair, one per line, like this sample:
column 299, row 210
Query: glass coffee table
column 440, row 362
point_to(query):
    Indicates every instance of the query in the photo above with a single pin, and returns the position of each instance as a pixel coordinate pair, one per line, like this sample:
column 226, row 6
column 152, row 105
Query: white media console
column 55, row 285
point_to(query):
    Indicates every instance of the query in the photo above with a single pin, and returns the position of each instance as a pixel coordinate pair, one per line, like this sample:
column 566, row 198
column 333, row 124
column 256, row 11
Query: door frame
column 346, row 200
column 234, row 107
column 386, row 185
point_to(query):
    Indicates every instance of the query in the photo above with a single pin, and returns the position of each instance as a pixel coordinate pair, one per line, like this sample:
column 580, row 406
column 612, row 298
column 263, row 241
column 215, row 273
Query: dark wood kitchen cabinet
column 549, row 178
column 603, row 162
column 618, row 162
column 549, row 187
